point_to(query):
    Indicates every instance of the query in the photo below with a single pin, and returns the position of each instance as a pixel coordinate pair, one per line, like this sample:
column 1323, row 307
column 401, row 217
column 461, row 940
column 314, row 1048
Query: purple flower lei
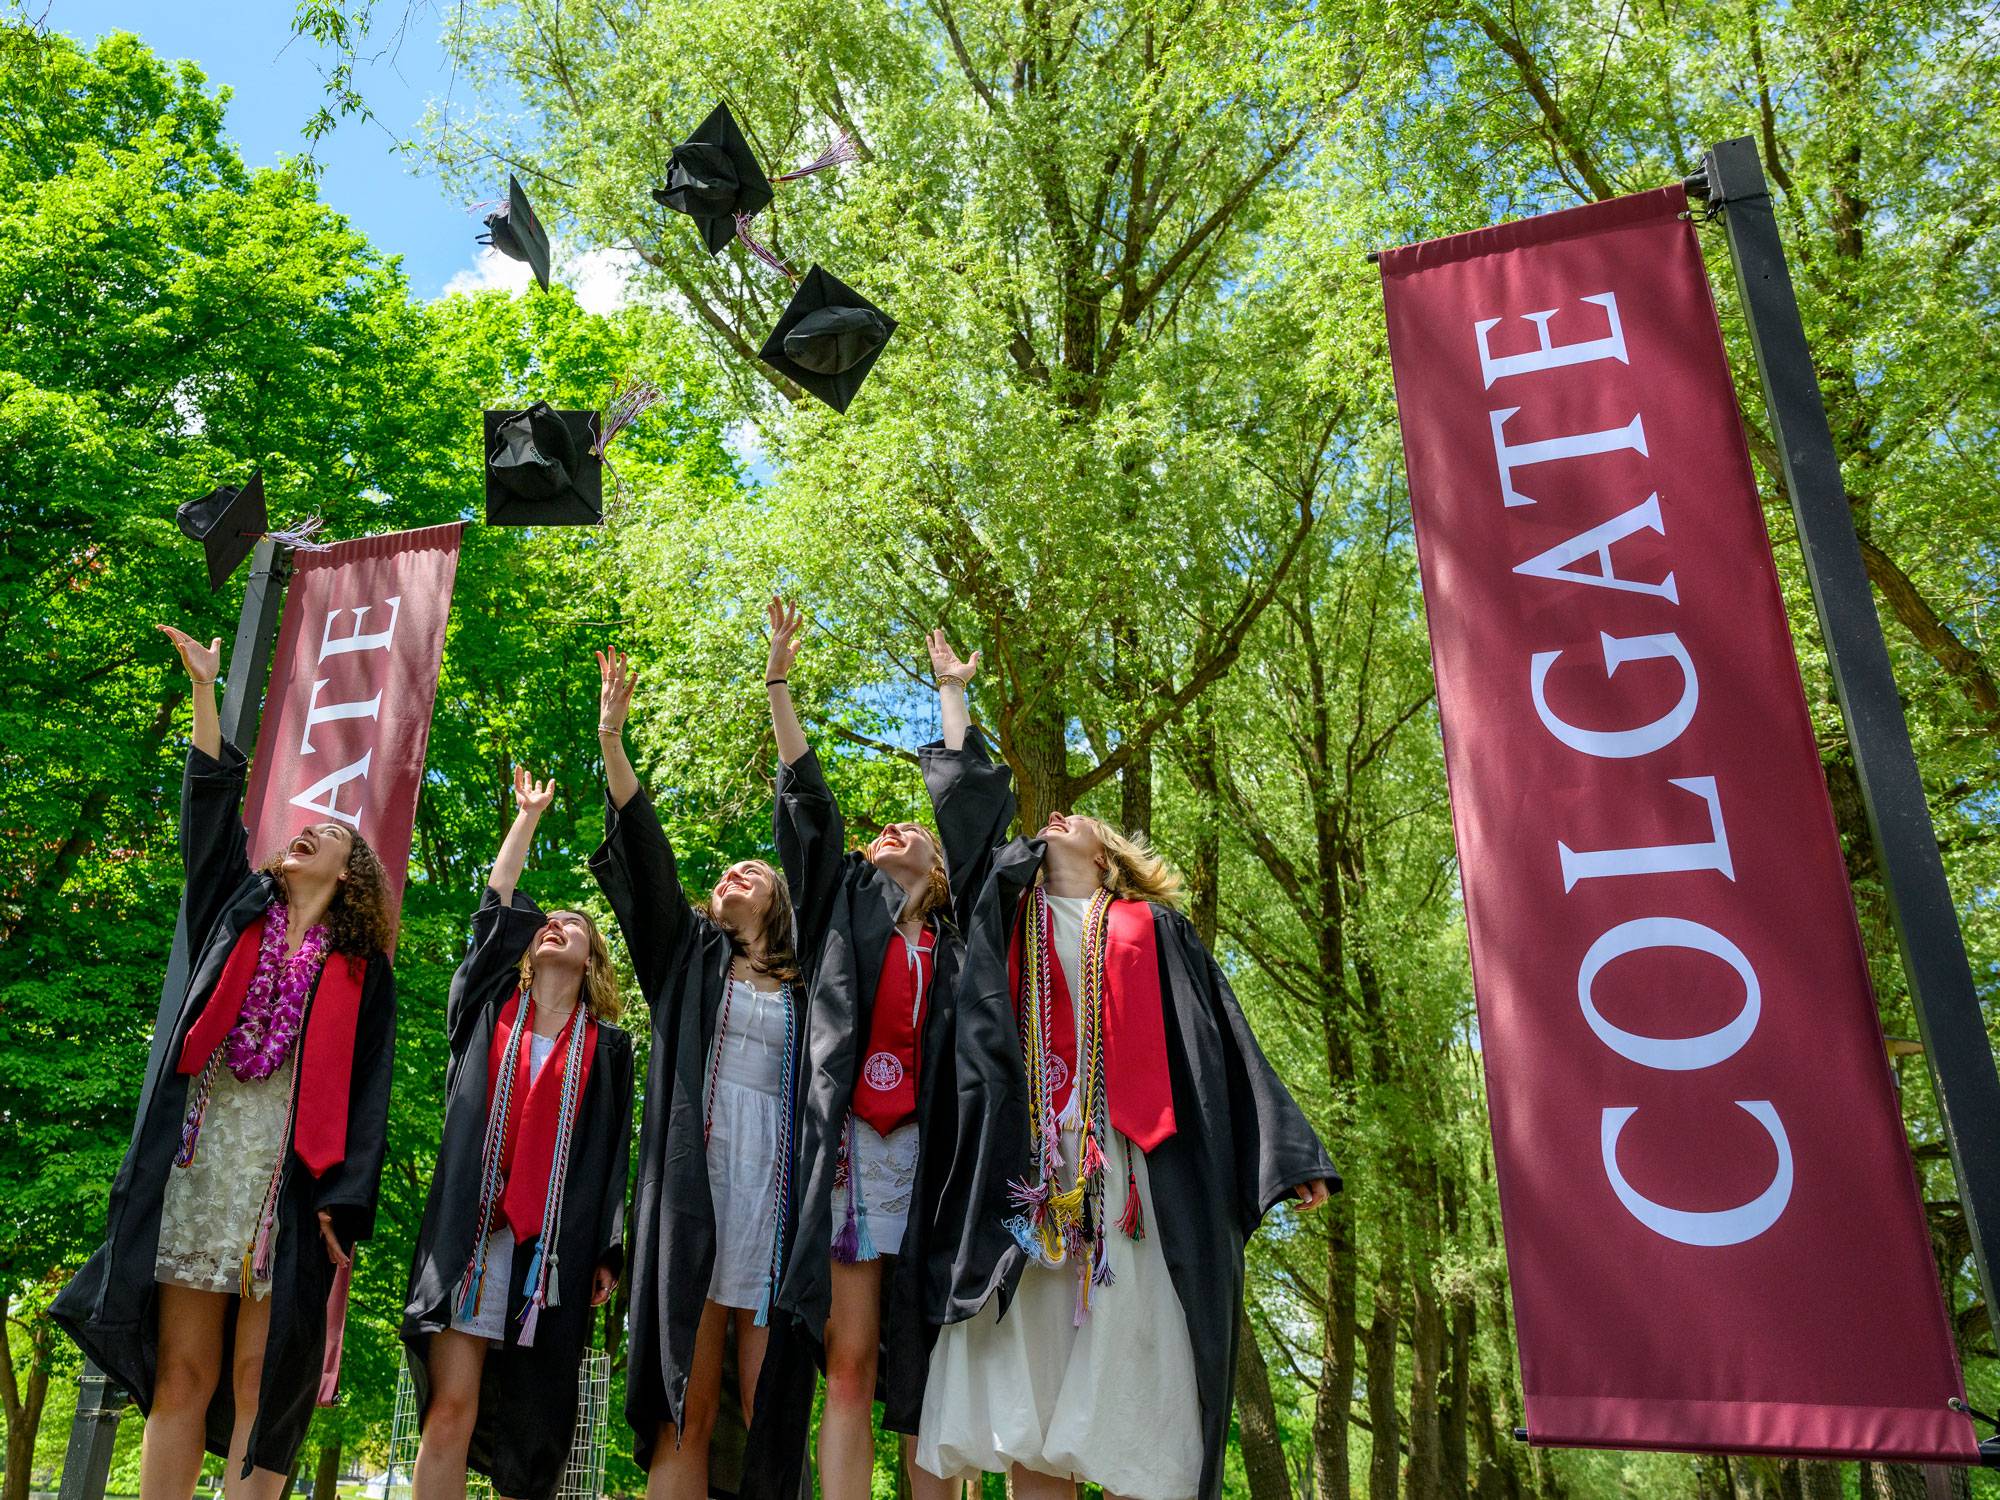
column 269, row 1021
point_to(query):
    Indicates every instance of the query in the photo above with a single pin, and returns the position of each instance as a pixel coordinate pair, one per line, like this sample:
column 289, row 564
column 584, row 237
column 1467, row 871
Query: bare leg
column 190, row 1363
column 246, row 1374
column 751, row 1341
column 679, row 1469
column 456, row 1361
column 924, row 1485
column 847, row 1426
column 1029, row 1485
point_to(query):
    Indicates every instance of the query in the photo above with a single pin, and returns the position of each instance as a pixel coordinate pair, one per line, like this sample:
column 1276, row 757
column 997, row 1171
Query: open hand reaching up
column 786, row 622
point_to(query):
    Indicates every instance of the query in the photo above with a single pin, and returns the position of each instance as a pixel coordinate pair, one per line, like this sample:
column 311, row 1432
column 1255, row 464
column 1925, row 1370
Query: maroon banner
column 1713, row 1229
column 347, row 716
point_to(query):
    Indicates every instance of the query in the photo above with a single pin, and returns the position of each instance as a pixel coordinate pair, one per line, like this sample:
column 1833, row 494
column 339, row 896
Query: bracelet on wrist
column 771, row 682
column 955, row 680
column 610, row 728
column 205, row 681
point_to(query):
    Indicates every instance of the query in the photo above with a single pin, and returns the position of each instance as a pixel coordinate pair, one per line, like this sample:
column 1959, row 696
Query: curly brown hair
column 357, row 923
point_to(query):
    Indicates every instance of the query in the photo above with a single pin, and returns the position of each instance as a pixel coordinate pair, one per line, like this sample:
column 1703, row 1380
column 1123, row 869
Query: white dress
column 1112, row 1402
column 490, row 1321
column 209, row 1213
column 747, row 1062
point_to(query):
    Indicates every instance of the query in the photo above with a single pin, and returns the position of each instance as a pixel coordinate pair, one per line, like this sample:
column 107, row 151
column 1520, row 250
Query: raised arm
column 634, row 865
column 971, row 797
column 531, row 800
column 615, row 677
column 204, row 665
column 952, row 676
column 785, row 622
column 805, row 820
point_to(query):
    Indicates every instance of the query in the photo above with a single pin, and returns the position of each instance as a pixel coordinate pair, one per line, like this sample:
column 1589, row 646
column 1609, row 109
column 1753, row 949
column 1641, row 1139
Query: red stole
column 534, row 1109
column 326, row 1051
column 1139, row 1092
column 885, row 1093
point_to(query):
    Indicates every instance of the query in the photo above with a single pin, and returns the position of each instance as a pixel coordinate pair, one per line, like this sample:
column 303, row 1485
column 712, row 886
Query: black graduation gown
column 1240, row 1144
column 681, row 960
column 111, row 1308
column 527, row 1397
column 846, row 912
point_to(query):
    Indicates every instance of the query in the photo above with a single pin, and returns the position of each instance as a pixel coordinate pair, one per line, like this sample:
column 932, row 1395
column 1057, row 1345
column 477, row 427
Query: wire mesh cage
column 583, row 1470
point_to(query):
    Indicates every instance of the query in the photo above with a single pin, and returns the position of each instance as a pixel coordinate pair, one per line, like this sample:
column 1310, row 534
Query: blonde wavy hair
column 1133, row 872
column 600, row 978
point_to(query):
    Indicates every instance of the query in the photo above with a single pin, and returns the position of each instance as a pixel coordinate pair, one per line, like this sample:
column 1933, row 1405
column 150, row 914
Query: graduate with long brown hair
column 713, row 1215
column 257, row 1153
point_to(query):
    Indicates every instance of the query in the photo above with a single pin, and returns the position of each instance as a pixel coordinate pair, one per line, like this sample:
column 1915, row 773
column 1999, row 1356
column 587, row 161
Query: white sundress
column 209, row 1212
column 490, row 1321
column 1112, row 1402
column 747, row 1064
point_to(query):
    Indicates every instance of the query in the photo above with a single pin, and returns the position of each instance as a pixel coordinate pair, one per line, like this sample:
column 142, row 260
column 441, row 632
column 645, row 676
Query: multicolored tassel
column 768, row 257
column 781, row 1207
column 545, row 1270
column 842, row 151
column 191, row 1126
column 492, row 1154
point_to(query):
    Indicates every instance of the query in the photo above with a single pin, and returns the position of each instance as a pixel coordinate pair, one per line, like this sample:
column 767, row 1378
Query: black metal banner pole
column 99, row 1402
column 1947, row 1006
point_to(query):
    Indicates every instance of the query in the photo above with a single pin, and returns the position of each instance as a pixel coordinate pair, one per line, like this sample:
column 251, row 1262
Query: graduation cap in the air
column 227, row 522
column 828, row 339
column 543, row 468
column 514, row 230
column 715, row 178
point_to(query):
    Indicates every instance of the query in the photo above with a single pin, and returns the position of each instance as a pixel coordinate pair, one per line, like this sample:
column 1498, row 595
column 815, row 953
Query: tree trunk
column 1457, row 1481
column 23, row 1400
column 1423, row 1481
column 1135, row 793
column 1384, row 1420
column 326, row 1477
column 1258, row 1433
column 1333, row 1407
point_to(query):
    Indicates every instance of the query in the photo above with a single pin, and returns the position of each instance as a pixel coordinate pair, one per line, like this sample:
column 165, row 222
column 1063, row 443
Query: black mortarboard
column 227, row 523
column 514, row 230
column 713, row 177
column 541, row 468
column 828, row 339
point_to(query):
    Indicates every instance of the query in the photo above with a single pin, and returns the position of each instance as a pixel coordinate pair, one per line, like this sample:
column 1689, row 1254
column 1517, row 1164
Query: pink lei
column 269, row 1021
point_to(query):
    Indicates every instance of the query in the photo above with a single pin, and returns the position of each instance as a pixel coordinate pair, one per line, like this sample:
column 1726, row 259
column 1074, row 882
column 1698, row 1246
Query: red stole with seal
column 885, row 1092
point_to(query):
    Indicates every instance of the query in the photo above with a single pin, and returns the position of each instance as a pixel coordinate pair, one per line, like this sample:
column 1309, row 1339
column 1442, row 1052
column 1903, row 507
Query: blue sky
column 247, row 44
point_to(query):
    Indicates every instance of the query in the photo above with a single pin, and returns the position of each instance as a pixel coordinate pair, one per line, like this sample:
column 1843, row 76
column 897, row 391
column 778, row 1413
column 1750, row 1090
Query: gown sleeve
column 1276, row 1148
column 972, row 799
column 350, row 1187
column 810, row 835
column 618, row 1166
column 501, row 932
column 634, row 867
column 215, row 849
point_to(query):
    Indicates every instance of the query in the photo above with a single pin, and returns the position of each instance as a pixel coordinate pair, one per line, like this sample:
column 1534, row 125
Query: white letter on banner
column 1598, row 541
column 1727, row 1226
column 1656, row 859
column 1669, row 1054
column 317, row 715
column 1551, row 356
column 1620, row 744
column 1512, row 456
column 379, row 641
column 329, row 787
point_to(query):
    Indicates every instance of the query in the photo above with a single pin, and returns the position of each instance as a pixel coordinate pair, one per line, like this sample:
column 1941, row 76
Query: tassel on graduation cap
column 228, row 521
column 715, row 179
column 545, row 467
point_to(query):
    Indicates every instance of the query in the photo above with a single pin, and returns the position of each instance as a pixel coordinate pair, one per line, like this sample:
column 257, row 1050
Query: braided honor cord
column 544, row 1269
column 787, row 1123
column 492, row 1156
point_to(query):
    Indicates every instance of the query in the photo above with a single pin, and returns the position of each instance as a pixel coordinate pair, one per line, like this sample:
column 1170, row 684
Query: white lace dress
column 208, row 1218
column 747, row 1062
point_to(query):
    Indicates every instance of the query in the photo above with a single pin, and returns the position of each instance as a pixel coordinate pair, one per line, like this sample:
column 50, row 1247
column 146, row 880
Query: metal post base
column 87, row 1465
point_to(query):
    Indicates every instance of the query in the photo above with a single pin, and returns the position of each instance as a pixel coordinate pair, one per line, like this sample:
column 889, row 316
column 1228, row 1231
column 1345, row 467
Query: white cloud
column 600, row 278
